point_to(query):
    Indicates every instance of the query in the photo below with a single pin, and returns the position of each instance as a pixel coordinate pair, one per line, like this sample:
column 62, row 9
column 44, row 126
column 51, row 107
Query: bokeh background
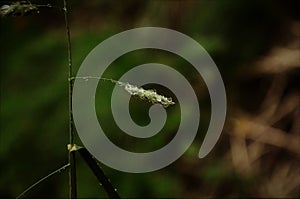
column 255, row 44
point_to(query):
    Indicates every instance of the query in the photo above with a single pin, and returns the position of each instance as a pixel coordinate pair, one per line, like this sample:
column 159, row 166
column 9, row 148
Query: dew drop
column 159, row 98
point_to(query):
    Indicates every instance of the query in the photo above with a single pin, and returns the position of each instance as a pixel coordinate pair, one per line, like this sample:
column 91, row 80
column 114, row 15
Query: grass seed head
column 150, row 95
column 18, row 9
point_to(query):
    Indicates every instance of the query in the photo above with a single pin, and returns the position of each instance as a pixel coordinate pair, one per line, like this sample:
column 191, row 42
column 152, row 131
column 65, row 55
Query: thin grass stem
column 72, row 155
column 43, row 179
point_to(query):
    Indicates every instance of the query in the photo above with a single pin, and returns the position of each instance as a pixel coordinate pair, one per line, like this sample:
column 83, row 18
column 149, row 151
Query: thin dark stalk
column 102, row 179
column 72, row 157
column 42, row 179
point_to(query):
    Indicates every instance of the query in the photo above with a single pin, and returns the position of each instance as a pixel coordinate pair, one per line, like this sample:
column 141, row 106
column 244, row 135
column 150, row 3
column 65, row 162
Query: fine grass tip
column 148, row 95
column 20, row 8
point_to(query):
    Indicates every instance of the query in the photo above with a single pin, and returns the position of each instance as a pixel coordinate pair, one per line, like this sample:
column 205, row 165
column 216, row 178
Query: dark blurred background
column 255, row 44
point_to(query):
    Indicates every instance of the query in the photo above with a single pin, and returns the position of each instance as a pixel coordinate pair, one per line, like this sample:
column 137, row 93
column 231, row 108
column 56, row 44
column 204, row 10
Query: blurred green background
column 242, row 37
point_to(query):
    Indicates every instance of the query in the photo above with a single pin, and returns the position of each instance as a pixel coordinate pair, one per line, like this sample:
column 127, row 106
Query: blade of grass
column 42, row 179
column 103, row 180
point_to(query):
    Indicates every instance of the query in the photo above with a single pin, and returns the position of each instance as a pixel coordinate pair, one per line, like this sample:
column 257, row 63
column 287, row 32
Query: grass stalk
column 72, row 155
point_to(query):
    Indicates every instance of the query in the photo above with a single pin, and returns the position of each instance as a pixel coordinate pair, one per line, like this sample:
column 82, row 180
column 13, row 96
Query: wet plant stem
column 72, row 157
